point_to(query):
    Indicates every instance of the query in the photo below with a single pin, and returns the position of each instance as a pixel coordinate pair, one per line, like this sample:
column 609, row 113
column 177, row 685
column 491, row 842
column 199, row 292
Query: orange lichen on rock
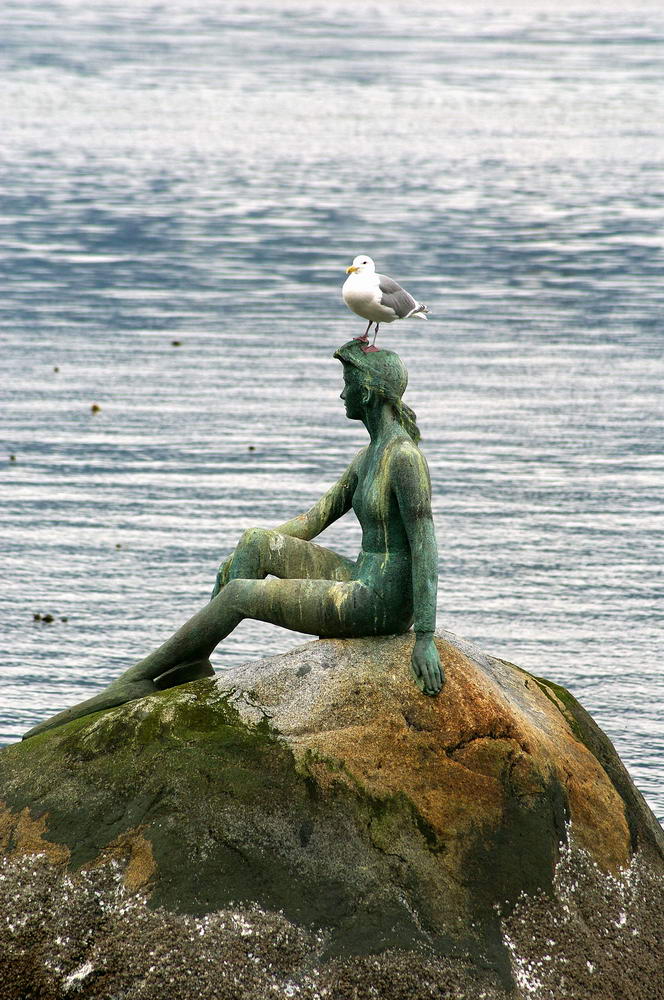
column 493, row 737
column 21, row 835
column 134, row 851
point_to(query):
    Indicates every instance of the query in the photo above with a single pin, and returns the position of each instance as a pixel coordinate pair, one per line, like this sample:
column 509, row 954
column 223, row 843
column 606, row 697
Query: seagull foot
column 370, row 348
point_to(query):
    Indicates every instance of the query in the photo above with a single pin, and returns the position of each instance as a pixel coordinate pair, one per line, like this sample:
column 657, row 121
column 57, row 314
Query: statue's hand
column 427, row 668
column 222, row 575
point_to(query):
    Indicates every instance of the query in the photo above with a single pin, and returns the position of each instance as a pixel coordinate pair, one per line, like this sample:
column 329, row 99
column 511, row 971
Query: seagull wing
column 393, row 296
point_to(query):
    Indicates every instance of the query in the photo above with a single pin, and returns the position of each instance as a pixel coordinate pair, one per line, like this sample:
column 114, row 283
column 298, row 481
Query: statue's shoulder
column 405, row 450
column 408, row 464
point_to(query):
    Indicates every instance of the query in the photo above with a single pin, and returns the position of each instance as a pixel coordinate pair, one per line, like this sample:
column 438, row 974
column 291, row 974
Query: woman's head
column 381, row 373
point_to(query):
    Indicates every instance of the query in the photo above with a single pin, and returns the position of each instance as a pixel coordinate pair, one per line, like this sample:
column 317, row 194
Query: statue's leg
column 259, row 553
column 262, row 552
column 318, row 607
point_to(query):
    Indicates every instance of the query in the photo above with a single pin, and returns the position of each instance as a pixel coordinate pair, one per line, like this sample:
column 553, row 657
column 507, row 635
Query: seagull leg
column 365, row 336
column 371, row 347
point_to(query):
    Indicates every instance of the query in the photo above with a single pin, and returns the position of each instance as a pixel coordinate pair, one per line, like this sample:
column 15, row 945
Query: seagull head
column 361, row 263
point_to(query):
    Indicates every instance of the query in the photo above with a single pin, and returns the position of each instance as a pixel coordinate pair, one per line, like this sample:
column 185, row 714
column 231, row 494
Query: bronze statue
column 389, row 587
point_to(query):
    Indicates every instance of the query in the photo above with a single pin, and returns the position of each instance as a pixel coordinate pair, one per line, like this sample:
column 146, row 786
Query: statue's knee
column 254, row 538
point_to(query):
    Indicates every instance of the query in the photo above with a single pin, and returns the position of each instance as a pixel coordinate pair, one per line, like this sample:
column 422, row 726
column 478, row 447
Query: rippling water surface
column 202, row 173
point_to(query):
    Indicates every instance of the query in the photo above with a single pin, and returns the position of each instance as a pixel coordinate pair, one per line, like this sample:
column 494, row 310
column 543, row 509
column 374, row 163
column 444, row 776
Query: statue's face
column 352, row 395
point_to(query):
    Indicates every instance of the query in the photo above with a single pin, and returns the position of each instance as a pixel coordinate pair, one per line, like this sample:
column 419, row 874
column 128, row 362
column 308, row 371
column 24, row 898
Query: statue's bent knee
column 254, row 538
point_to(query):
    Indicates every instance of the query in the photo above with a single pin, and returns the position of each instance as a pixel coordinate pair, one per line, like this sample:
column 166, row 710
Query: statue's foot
column 127, row 688
column 184, row 673
column 117, row 693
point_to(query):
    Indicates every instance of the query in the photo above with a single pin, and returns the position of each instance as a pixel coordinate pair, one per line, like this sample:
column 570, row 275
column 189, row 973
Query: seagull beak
column 349, row 270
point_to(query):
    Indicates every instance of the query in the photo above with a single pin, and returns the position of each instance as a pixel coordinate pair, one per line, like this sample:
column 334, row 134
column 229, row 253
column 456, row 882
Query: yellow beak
column 349, row 270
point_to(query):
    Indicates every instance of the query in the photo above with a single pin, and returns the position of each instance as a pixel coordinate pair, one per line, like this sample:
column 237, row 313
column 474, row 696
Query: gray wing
column 395, row 297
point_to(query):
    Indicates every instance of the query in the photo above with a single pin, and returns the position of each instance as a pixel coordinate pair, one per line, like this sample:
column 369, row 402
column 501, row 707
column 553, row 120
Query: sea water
column 181, row 188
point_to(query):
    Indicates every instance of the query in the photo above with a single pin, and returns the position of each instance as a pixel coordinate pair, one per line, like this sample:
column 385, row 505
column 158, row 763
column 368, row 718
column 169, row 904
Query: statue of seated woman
column 281, row 576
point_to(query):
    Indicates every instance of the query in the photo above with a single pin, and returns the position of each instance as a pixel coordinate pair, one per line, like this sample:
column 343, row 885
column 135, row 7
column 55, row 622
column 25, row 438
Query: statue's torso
column 384, row 561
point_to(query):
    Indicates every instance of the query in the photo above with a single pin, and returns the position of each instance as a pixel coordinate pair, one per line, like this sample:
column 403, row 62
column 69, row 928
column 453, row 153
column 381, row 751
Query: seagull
column 377, row 298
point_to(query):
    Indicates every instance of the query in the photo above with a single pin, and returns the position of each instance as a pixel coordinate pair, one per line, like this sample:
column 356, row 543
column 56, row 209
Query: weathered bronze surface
column 389, row 587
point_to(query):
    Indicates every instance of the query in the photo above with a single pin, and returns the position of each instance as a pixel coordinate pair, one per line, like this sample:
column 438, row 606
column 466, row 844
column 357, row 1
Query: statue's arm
column 412, row 486
column 413, row 492
column 333, row 505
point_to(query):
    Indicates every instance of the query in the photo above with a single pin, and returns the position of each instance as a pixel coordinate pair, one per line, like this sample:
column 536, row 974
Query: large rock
column 311, row 825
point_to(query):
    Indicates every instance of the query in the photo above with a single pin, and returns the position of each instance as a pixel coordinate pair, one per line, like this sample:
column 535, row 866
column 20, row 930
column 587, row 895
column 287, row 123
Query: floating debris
column 12, row 458
column 176, row 343
column 95, row 408
column 251, row 447
column 56, row 369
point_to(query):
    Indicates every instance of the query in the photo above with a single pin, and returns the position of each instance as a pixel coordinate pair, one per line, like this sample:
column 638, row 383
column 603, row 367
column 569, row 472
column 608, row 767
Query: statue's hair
column 384, row 373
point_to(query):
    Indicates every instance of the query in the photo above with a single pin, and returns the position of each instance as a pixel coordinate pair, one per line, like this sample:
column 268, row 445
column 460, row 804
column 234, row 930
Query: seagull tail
column 419, row 312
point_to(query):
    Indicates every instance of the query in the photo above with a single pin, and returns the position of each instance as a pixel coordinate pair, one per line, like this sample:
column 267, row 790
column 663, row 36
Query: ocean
column 182, row 185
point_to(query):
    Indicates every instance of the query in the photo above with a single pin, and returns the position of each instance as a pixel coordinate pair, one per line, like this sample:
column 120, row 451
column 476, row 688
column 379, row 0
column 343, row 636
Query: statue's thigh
column 293, row 558
column 317, row 607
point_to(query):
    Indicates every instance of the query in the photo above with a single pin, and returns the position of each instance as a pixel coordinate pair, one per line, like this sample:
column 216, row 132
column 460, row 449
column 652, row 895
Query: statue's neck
column 380, row 421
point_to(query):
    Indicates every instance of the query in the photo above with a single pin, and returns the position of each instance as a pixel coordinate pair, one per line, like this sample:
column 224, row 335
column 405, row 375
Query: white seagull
column 377, row 298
